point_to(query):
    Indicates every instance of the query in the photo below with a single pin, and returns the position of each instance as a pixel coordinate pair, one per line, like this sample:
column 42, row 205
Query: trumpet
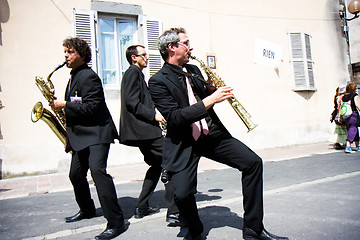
column 235, row 104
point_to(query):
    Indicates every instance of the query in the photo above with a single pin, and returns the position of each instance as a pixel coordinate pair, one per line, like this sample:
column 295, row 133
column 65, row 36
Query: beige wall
column 32, row 45
column 354, row 36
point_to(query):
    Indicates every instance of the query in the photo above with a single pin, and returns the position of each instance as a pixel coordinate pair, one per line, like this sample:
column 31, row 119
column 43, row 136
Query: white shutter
column 83, row 26
column 309, row 61
column 152, row 32
column 301, row 61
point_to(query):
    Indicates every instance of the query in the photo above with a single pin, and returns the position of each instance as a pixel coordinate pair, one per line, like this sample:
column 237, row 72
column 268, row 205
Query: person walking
column 139, row 126
column 340, row 132
column 194, row 130
column 352, row 121
column 90, row 130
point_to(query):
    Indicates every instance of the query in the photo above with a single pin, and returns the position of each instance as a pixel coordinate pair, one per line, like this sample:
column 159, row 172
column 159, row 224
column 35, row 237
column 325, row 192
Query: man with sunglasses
column 194, row 130
column 139, row 126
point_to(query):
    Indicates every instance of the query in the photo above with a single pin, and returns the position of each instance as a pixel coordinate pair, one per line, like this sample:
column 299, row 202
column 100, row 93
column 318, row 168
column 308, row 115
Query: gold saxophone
column 56, row 121
column 235, row 104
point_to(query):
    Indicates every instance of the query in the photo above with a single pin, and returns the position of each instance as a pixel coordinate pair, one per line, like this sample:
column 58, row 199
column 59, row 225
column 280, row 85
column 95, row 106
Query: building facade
column 283, row 58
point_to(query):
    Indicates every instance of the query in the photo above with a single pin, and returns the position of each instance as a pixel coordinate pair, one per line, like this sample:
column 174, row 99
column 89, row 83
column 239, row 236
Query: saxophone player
column 139, row 127
column 194, row 130
column 90, row 130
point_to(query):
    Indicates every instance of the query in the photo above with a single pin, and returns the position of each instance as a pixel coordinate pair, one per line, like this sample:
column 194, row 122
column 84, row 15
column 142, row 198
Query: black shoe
column 249, row 234
column 79, row 216
column 175, row 220
column 110, row 233
column 142, row 212
column 338, row 146
column 189, row 237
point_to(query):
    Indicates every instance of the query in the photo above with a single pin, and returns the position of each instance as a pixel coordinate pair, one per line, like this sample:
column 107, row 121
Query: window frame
column 116, row 19
column 146, row 35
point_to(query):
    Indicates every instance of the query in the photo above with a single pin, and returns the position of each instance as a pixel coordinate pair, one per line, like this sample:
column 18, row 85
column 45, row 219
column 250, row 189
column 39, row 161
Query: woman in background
column 340, row 132
column 351, row 122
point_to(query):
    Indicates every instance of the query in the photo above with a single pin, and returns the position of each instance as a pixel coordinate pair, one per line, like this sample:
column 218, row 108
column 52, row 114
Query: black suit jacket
column 88, row 122
column 137, row 118
column 172, row 101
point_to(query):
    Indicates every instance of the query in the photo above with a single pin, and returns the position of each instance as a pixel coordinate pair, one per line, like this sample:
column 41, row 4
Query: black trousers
column 95, row 158
column 153, row 151
column 223, row 148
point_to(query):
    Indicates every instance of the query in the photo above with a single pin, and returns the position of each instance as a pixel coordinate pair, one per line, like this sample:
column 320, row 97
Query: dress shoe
column 189, row 237
column 249, row 234
column 175, row 220
column 142, row 212
column 110, row 233
column 79, row 216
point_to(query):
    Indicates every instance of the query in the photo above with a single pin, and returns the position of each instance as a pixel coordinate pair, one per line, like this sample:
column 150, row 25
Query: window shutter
column 301, row 61
column 152, row 32
column 83, row 26
column 309, row 61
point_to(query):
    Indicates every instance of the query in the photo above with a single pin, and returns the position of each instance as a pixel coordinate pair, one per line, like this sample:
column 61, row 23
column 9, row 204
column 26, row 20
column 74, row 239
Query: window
column 115, row 36
column 301, row 61
column 110, row 30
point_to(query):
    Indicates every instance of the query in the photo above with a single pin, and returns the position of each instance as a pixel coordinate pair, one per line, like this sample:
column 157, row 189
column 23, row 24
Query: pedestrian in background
column 340, row 132
column 352, row 121
column 90, row 130
column 139, row 126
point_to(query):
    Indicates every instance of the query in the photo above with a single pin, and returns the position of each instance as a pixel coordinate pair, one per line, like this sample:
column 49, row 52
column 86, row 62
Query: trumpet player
column 194, row 130
column 90, row 130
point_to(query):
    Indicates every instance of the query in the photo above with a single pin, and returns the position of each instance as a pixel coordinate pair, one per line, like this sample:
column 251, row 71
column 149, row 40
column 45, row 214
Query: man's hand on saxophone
column 219, row 95
column 160, row 118
column 57, row 104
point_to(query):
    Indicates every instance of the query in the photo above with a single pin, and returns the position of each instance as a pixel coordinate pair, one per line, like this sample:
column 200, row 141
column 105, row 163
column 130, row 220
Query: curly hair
column 168, row 37
column 80, row 45
column 351, row 88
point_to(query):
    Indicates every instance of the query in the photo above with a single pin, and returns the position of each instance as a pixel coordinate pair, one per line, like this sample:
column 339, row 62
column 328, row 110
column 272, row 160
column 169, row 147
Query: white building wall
column 32, row 45
column 354, row 36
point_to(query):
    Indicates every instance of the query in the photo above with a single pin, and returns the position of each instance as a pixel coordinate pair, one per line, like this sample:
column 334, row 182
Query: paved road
column 309, row 198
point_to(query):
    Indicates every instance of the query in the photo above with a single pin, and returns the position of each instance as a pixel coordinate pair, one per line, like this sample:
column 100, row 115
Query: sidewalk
column 43, row 184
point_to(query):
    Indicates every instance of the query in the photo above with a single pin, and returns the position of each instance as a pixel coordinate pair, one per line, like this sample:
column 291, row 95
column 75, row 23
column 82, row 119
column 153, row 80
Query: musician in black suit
column 194, row 130
column 139, row 126
column 90, row 130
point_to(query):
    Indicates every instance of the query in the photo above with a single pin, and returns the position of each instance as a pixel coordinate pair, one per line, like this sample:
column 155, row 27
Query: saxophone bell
column 36, row 112
column 39, row 112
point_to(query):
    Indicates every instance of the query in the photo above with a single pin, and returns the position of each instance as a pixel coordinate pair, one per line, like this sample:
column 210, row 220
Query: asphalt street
column 309, row 198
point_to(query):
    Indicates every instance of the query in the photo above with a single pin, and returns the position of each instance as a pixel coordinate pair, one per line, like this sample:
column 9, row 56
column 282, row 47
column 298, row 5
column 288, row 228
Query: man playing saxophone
column 90, row 130
column 194, row 130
